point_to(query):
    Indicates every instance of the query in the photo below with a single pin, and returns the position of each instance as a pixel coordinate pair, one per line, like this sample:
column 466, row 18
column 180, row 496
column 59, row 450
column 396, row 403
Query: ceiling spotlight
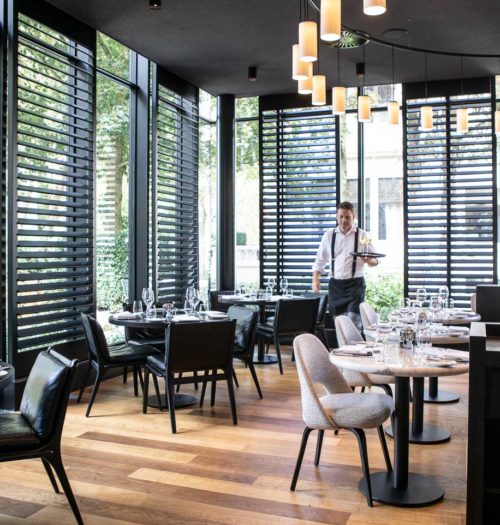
column 360, row 69
column 154, row 4
column 252, row 73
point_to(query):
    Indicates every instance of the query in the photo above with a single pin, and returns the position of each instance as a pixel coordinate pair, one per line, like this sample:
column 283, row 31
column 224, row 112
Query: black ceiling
column 211, row 43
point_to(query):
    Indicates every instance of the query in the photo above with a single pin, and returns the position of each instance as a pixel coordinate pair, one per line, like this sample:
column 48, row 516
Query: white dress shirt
column 344, row 243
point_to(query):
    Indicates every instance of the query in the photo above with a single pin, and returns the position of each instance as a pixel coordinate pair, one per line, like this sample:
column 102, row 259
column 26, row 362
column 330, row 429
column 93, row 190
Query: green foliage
column 384, row 292
column 114, row 262
column 241, row 239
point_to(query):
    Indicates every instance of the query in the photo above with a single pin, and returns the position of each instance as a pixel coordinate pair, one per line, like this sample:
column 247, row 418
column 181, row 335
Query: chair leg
column 195, row 375
column 157, row 391
column 98, row 378
column 385, row 450
column 362, row 389
column 169, row 389
column 50, row 474
column 179, row 385
column 254, row 376
column 145, row 391
column 139, row 375
column 232, row 399
column 214, row 388
column 319, row 444
column 278, row 355
column 363, row 452
column 58, row 466
column 136, row 383
column 203, row 388
column 84, row 384
column 303, row 444
column 293, row 356
column 235, row 379
column 387, row 389
column 125, row 373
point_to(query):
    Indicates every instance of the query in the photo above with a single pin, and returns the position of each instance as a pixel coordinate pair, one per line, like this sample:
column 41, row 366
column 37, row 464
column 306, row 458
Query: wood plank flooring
column 127, row 468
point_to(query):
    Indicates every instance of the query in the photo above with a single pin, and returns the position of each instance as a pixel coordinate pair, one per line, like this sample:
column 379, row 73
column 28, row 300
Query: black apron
column 345, row 295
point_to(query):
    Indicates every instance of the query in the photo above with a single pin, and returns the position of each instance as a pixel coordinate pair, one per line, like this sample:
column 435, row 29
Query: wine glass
column 271, row 283
column 421, row 324
column 383, row 330
column 365, row 242
column 148, row 296
column 284, row 285
column 435, row 307
column 444, row 293
column 191, row 297
column 421, row 295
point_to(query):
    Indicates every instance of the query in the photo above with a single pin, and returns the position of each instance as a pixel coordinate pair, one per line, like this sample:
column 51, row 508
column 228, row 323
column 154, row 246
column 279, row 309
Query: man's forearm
column 316, row 283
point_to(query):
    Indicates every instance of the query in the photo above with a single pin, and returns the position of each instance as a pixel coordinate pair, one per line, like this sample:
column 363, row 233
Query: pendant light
column 338, row 92
column 319, row 90
column 426, row 118
column 299, row 69
column 306, row 86
column 330, row 29
column 374, row 7
column 462, row 113
column 364, row 102
column 308, row 41
column 393, row 105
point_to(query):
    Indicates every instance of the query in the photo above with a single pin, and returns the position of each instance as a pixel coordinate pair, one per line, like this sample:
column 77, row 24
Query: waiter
column 346, row 289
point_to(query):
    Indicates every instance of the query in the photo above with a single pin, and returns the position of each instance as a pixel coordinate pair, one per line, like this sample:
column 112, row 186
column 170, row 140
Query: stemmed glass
column 421, row 295
column 271, row 283
column 191, row 297
column 148, row 296
column 284, row 285
column 421, row 324
column 444, row 293
column 365, row 242
column 383, row 331
column 435, row 306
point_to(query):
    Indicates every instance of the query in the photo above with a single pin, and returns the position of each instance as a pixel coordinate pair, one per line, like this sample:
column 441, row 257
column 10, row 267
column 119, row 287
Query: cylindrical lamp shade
column 308, row 41
column 338, row 100
column 364, row 108
column 393, row 113
column 319, row 90
column 497, row 121
column 374, row 7
column 462, row 120
column 330, row 20
column 426, row 121
column 299, row 69
column 306, row 86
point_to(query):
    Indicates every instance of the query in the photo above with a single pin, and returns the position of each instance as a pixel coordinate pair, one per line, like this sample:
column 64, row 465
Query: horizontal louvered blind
column 53, row 183
column 450, row 199
column 298, row 190
column 176, row 195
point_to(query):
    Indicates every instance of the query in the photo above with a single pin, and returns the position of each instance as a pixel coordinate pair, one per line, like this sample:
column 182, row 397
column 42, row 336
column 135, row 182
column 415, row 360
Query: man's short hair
column 346, row 205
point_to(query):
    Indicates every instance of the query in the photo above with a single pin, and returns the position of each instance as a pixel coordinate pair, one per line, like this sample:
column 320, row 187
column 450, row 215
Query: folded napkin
column 231, row 297
column 184, row 318
column 353, row 350
column 126, row 315
column 215, row 314
column 3, row 373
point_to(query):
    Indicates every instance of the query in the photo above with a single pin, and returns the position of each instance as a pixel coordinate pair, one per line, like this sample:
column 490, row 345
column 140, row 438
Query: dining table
column 400, row 487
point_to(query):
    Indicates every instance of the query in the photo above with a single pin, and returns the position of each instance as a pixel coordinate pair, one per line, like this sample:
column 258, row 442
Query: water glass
column 383, row 330
column 168, row 309
column 187, row 307
column 148, row 296
column 137, row 307
column 284, row 285
column 202, row 311
column 421, row 295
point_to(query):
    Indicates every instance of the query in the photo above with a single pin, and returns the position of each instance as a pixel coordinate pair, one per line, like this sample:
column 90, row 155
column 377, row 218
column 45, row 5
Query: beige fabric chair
column 348, row 334
column 369, row 318
column 337, row 407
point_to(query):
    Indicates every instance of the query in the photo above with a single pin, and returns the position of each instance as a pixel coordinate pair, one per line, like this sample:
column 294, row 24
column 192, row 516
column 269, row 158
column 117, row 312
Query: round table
column 7, row 376
column 400, row 487
column 180, row 400
column 244, row 300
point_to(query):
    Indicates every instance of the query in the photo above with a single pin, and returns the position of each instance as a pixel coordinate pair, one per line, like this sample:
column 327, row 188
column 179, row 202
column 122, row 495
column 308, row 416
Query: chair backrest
column 96, row 341
column 199, row 346
column 347, row 333
column 323, row 303
column 46, row 394
column 487, row 300
column 314, row 368
column 246, row 326
column 214, row 300
column 294, row 316
column 368, row 315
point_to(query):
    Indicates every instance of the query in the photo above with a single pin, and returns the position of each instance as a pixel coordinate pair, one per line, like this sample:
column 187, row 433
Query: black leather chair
column 35, row 431
column 245, row 338
column 191, row 347
column 214, row 300
column 102, row 357
column 320, row 321
column 293, row 317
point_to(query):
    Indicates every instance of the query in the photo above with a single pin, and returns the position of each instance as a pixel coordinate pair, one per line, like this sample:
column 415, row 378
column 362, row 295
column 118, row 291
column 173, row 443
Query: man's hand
column 370, row 261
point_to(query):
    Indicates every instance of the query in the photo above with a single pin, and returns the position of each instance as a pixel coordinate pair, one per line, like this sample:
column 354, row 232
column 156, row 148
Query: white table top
column 396, row 367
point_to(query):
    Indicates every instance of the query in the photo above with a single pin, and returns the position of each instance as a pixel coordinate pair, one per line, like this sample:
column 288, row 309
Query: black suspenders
column 332, row 264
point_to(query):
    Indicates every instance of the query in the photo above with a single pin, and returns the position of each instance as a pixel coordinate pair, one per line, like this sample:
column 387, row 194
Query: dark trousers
column 345, row 296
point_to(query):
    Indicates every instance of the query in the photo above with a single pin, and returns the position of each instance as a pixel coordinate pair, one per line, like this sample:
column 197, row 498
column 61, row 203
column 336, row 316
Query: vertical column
column 225, row 192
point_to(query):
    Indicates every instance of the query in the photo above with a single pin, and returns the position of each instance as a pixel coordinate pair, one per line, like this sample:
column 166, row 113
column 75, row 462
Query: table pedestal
column 433, row 395
column 180, row 400
column 262, row 358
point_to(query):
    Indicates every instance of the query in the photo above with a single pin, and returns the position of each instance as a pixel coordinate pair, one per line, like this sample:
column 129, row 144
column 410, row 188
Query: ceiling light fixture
column 374, row 7
column 330, row 29
column 306, row 86
column 252, row 73
column 299, row 68
column 154, row 4
column 426, row 119
column 393, row 105
column 308, row 39
column 462, row 113
column 364, row 102
column 338, row 92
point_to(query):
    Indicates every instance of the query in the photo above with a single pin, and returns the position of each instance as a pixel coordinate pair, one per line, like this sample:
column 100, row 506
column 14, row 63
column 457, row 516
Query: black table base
column 421, row 490
column 429, row 435
column 181, row 401
column 265, row 360
column 441, row 397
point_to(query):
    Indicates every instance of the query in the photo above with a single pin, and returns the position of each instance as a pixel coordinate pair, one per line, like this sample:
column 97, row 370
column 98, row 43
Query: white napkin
column 182, row 318
column 215, row 314
column 127, row 315
column 353, row 350
column 231, row 297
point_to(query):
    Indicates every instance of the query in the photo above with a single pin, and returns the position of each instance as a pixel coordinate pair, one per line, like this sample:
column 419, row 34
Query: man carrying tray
column 346, row 289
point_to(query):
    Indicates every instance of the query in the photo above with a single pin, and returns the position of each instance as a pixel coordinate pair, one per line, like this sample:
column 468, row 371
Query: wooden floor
column 126, row 467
